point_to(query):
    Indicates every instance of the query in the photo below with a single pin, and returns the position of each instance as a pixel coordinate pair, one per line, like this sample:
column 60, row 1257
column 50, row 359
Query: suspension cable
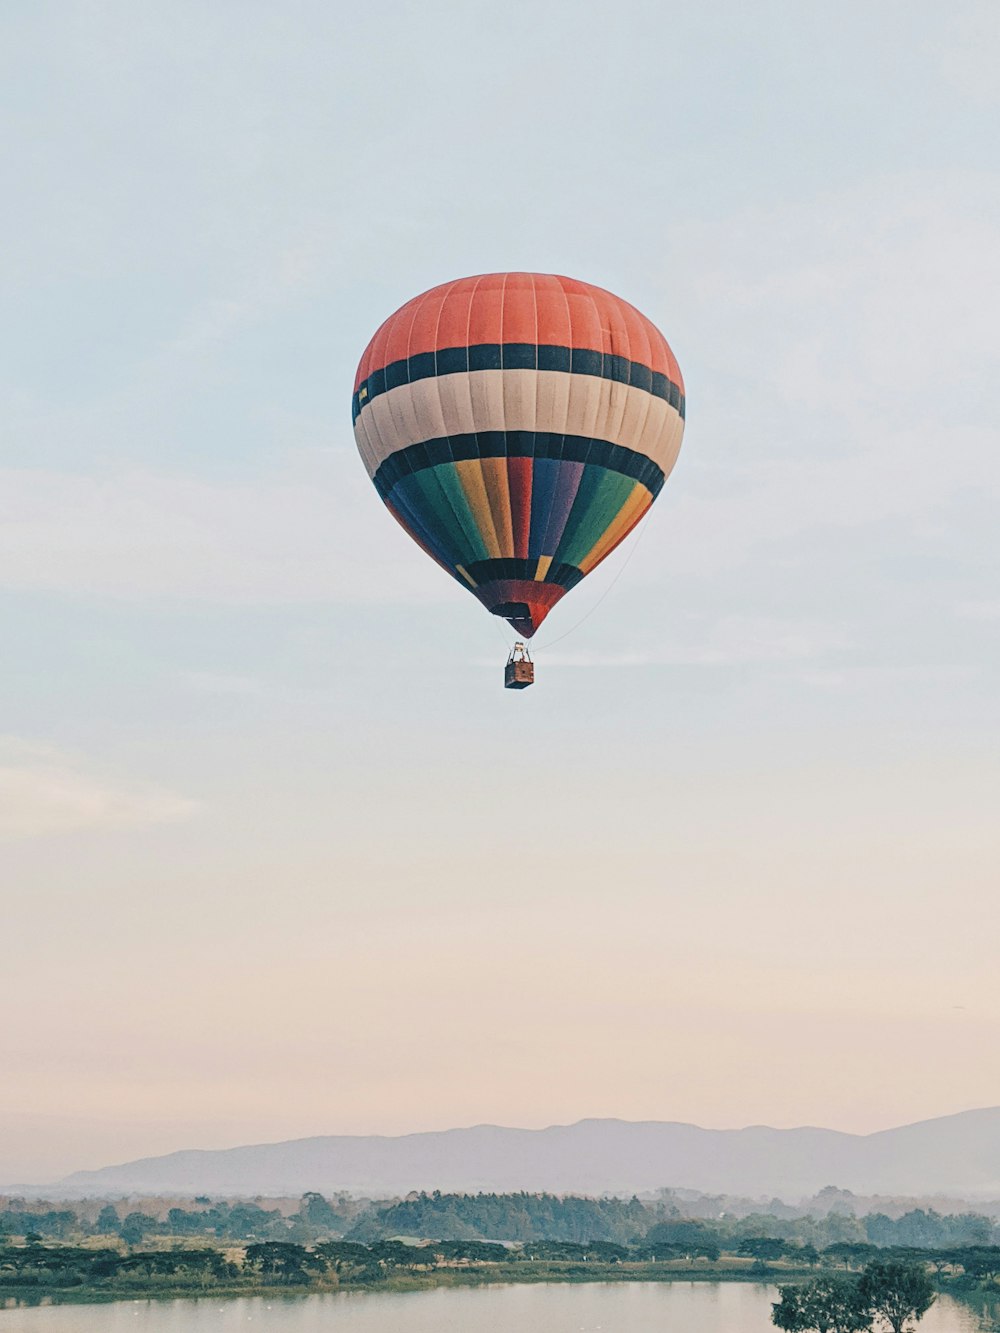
column 640, row 533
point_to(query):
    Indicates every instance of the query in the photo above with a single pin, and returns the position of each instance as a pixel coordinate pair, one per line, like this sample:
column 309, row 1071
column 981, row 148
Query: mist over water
column 642, row 1307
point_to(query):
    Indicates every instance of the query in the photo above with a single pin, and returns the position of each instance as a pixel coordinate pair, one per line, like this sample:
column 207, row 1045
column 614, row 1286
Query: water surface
column 640, row 1307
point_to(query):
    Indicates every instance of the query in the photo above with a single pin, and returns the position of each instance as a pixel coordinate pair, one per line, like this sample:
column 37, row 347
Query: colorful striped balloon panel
column 518, row 426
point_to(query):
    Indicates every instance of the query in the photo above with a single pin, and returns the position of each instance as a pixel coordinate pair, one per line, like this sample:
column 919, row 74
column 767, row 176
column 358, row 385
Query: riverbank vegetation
column 114, row 1249
column 32, row 1270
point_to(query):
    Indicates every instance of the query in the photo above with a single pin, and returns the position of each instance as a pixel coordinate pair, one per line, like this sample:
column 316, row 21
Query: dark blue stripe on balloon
column 491, row 571
column 516, row 356
column 541, row 445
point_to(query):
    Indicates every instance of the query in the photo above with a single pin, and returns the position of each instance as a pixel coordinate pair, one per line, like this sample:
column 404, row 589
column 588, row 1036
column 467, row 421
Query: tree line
column 520, row 1217
column 843, row 1282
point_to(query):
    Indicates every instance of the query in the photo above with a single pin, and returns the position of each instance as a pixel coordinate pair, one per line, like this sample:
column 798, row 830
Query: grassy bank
column 155, row 1287
column 97, row 1270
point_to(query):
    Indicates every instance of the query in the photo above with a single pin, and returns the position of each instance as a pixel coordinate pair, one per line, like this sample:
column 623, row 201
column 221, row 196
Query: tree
column 343, row 1256
column 897, row 1293
column 135, row 1226
column 249, row 1221
column 108, row 1221
column 478, row 1251
column 825, row 1305
column 281, row 1261
column 981, row 1262
column 683, row 1237
column 789, row 1312
column 683, row 1232
column 849, row 1252
column 764, row 1249
column 318, row 1213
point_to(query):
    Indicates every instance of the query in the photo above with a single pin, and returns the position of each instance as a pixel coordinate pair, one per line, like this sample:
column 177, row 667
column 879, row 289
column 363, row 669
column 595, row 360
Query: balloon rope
column 507, row 641
column 625, row 563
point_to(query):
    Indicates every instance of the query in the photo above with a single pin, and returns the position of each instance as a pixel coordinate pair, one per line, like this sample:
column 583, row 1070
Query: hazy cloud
column 986, row 610
column 240, row 687
column 873, row 297
column 289, row 537
column 44, row 791
column 732, row 641
column 969, row 53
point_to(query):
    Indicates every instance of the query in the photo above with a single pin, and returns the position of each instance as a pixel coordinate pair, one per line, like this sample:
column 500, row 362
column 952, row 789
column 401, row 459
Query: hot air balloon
column 518, row 426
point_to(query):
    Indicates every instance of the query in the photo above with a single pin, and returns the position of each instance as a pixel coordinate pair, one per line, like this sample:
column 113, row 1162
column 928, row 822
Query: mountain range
column 957, row 1154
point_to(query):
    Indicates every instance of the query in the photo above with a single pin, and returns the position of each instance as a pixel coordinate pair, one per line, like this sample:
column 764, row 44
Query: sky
column 278, row 854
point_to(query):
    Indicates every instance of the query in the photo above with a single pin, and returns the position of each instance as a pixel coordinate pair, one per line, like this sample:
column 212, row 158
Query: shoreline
column 18, row 1298
column 455, row 1277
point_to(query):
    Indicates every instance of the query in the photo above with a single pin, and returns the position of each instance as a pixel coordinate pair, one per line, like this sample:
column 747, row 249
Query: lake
column 641, row 1307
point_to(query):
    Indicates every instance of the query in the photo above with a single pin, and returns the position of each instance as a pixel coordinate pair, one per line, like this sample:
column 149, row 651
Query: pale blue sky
column 266, row 813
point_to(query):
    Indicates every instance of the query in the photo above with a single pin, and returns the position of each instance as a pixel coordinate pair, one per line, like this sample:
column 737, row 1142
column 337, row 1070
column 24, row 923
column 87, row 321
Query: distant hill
column 957, row 1155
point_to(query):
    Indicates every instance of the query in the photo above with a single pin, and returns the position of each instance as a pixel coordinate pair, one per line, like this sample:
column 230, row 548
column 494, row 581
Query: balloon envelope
column 518, row 426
